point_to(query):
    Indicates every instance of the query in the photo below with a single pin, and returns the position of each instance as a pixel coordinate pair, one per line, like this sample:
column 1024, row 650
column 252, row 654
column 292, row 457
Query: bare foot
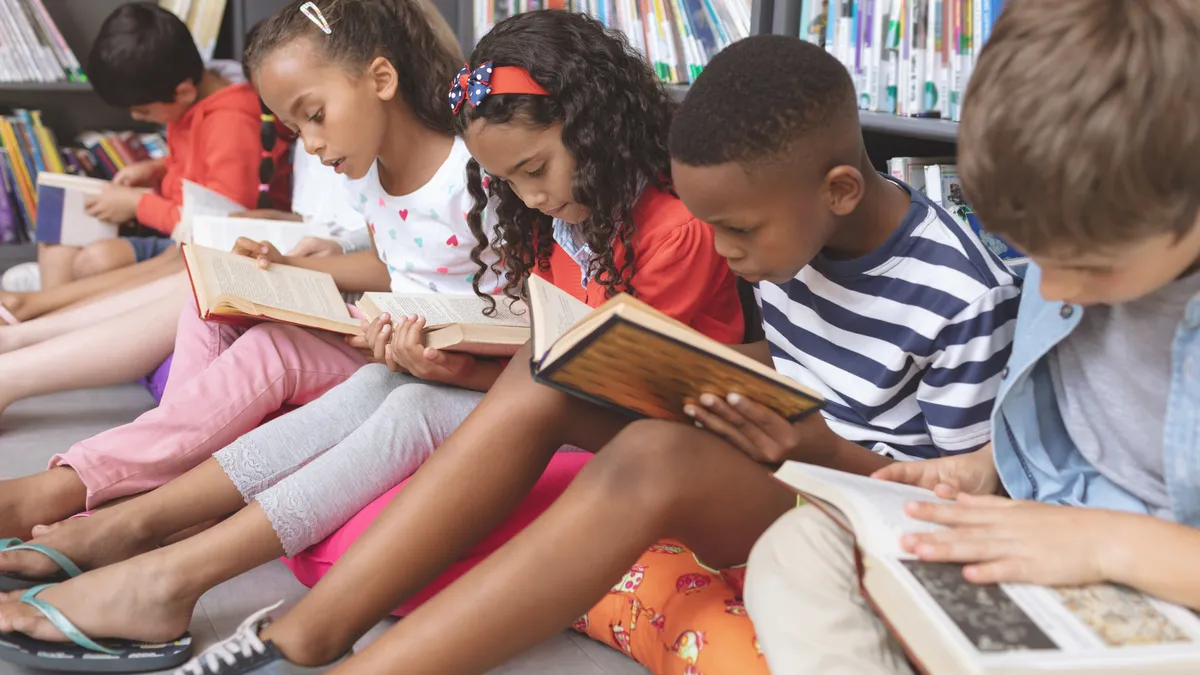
column 45, row 497
column 101, row 539
column 139, row 599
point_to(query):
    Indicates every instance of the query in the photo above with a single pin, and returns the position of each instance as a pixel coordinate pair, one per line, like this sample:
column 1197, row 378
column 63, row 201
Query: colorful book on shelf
column 457, row 323
column 12, row 229
column 944, row 189
column 231, row 288
column 629, row 356
column 949, row 626
column 61, row 214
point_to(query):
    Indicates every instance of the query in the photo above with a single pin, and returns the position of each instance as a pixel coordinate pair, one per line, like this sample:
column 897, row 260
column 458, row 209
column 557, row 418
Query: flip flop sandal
column 7, row 317
column 16, row 582
column 87, row 655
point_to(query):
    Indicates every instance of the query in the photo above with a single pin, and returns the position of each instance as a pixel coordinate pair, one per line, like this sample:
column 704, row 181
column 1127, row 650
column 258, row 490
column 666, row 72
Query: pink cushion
column 315, row 563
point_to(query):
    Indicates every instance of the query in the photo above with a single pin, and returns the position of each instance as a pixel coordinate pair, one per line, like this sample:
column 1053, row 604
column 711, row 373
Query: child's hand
column 269, row 214
column 139, row 174
column 115, row 204
column 761, row 433
column 407, row 352
column 264, row 251
column 316, row 247
column 972, row 472
column 374, row 340
column 1016, row 541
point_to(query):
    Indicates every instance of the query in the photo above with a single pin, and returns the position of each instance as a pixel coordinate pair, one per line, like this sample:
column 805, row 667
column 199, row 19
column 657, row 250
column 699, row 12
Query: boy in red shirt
column 145, row 60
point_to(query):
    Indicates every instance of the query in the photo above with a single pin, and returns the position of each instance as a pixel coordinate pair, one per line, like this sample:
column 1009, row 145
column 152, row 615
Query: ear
column 844, row 187
column 384, row 78
column 186, row 93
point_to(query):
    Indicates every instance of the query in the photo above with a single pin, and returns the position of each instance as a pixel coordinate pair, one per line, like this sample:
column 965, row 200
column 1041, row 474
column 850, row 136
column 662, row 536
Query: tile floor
column 32, row 431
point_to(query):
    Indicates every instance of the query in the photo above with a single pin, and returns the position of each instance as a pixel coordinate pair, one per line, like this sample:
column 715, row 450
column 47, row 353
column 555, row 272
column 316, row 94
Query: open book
column 61, row 217
column 201, row 201
column 628, row 355
column 232, row 288
column 222, row 232
column 952, row 627
column 457, row 323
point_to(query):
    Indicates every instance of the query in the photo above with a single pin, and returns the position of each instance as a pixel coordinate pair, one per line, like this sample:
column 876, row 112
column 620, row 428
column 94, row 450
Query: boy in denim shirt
column 1080, row 144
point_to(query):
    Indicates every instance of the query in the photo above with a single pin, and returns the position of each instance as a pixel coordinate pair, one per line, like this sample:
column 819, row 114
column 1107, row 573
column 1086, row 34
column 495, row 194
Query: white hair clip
column 310, row 10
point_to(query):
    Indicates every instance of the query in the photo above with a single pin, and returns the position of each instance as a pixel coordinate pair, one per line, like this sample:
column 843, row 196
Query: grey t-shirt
column 1111, row 378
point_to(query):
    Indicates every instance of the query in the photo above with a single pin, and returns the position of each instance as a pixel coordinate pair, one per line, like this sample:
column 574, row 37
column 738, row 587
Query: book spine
column 49, row 145
column 26, row 131
column 70, row 63
column 26, row 41
column 22, row 179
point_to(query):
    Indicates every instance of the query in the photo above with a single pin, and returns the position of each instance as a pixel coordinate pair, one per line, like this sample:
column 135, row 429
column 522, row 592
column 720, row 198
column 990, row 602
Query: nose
column 534, row 200
column 313, row 144
column 727, row 250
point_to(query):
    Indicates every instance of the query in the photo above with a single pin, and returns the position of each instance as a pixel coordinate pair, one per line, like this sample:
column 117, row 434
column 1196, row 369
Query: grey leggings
column 314, row 468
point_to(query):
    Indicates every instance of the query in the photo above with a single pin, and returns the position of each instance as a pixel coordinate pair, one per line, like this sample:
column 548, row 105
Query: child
column 648, row 243
column 394, row 136
column 1079, row 145
column 145, row 60
column 870, row 294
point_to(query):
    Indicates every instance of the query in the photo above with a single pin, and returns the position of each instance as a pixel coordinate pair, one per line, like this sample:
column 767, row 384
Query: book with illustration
column 950, row 626
column 231, row 288
column 627, row 355
column 457, row 323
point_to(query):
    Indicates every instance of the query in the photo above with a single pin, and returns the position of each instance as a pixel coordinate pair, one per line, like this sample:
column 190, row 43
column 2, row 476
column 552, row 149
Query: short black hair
column 143, row 52
column 756, row 98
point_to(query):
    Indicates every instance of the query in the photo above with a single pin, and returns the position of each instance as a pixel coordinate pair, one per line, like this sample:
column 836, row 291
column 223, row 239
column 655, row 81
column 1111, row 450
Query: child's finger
column 762, row 416
column 987, row 501
column 909, row 473
column 720, row 427
column 382, row 343
column 761, row 440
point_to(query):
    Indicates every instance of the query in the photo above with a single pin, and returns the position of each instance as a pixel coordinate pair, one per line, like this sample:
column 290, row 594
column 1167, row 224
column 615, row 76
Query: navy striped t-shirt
column 906, row 343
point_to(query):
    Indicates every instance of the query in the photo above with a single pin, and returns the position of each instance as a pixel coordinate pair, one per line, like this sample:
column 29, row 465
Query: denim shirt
column 1035, row 456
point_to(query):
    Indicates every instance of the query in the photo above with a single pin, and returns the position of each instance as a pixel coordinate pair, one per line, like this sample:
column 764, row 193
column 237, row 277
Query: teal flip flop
column 16, row 582
column 83, row 654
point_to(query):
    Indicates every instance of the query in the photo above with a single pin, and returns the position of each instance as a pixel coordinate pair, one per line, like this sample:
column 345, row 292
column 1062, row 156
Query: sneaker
column 23, row 278
column 244, row 652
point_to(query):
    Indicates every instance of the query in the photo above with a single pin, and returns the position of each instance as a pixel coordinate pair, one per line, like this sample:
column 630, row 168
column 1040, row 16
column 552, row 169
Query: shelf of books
column 911, row 60
column 32, row 50
column 677, row 36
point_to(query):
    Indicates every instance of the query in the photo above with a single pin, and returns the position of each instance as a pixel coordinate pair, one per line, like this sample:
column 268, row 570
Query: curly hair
column 615, row 119
column 409, row 33
column 756, row 98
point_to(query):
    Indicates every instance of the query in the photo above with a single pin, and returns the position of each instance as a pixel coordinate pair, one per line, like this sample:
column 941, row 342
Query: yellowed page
column 279, row 287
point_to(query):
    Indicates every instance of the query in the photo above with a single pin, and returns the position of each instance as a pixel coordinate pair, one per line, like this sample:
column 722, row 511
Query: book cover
column 61, row 215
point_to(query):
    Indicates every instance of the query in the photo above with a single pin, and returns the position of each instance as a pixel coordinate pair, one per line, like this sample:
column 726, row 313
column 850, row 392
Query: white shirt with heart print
column 423, row 237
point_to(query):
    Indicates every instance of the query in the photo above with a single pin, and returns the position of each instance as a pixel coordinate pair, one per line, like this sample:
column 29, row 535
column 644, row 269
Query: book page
column 443, row 310
column 875, row 507
column 201, row 201
column 279, row 287
column 221, row 232
column 554, row 313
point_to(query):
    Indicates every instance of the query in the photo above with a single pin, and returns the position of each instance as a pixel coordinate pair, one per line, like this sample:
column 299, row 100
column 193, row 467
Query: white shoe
column 245, row 653
column 23, row 278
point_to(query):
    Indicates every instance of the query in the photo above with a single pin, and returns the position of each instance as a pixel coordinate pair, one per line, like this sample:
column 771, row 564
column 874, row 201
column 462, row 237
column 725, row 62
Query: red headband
column 473, row 86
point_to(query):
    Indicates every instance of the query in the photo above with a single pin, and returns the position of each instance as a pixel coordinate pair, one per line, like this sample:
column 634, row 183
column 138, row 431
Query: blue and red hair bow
column 473, row 86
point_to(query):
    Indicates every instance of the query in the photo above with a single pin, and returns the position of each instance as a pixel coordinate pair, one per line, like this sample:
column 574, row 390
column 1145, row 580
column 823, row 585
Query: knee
column 373, row 375
column 647, row 461
column 791, row 540
column 100, row 257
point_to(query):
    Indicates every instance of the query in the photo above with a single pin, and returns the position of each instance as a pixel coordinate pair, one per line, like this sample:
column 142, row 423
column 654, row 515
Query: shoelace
column 244, row 643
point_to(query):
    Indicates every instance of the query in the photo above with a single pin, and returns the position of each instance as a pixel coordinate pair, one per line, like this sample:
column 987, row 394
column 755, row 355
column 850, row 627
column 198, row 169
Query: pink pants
column 311, row 565
column 225, row 380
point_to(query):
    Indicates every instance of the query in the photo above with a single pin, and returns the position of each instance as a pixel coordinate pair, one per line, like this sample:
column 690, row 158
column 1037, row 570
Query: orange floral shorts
column 677, row 617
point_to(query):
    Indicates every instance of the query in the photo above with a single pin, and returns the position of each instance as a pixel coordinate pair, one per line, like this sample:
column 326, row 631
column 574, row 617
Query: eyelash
column 318, row 116
column 541, row 170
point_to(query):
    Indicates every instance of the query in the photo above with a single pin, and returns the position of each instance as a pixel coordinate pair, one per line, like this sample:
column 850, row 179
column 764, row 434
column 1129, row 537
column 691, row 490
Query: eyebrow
column 298, row 103
column 518, row 165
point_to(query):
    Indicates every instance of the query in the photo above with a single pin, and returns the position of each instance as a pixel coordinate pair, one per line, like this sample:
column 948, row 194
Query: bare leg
column 139, row 298
column 655, row 480
column 47, row 496
column 103, row 256
column 469, row 485
column 152, row 597
column 116, row 350
column 57, row 265
column 133, row 526
column 26, row 306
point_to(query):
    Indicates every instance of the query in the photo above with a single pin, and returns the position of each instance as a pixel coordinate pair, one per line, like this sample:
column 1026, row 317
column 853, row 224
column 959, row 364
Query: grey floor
column 32, row 431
